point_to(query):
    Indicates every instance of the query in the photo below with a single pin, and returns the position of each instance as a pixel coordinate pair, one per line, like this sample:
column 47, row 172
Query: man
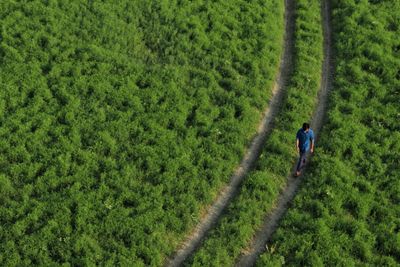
column 304, row 142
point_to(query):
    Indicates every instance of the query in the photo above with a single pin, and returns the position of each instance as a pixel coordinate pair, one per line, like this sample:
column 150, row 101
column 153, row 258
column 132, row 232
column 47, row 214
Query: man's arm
column 312, row 145
column 297, row 141
column 312, row 142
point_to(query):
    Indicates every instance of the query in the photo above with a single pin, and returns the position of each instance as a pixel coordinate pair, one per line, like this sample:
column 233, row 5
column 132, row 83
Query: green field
column 348, row 210
column 262, row 186
column 120, row 120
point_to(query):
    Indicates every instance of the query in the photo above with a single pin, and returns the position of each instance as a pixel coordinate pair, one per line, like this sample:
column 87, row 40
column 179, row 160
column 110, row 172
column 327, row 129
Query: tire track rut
column 193, row 241
column 258, row 244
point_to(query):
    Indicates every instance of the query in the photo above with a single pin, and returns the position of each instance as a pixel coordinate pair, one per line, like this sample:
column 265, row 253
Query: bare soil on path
column 259, row 242
column 195, row 238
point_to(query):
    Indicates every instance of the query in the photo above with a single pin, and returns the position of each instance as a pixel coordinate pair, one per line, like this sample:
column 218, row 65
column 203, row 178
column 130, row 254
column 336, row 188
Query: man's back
column 304, row 138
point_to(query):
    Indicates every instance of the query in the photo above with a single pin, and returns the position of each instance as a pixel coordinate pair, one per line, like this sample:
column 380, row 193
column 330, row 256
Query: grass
column 347, row 211
column 261, row 188
column 120, row 120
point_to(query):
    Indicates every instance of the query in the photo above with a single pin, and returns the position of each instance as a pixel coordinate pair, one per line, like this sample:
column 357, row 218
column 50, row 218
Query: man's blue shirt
column 304, row 139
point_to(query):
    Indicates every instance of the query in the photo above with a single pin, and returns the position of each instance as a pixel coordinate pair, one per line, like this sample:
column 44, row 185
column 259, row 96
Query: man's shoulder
column 299, row 132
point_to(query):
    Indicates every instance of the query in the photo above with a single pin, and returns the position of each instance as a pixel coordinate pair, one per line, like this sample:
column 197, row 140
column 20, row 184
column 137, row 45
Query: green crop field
column 261, row 188
column 120, row 120
column 348, row 210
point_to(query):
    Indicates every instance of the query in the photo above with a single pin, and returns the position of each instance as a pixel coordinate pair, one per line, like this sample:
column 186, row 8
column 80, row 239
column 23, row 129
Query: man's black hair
column 306, row 126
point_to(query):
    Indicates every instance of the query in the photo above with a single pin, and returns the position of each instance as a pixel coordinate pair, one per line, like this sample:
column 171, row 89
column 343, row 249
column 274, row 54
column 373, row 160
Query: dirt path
column 226, row 195
column 258, row 244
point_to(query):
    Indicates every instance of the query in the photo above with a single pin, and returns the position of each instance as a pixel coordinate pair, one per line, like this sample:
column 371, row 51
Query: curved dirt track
column 258, row 244
column 214, row 212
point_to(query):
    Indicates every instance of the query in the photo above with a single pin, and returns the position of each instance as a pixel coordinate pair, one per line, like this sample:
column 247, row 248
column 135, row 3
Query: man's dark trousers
column 302, row 160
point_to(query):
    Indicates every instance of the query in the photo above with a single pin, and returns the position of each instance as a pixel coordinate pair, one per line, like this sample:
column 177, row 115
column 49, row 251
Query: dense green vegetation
column 119, row 120
column 262, row 186
column 348, row 210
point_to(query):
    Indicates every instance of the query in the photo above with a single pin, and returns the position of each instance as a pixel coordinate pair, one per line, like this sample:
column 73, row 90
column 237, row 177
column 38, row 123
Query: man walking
column 304, row 142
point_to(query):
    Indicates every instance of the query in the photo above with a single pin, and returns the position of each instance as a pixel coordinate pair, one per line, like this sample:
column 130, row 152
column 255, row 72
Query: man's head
column 306, row 127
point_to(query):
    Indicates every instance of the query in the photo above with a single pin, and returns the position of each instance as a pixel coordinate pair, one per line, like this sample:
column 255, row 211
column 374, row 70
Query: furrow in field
column 226, row 195
column 258, row 244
